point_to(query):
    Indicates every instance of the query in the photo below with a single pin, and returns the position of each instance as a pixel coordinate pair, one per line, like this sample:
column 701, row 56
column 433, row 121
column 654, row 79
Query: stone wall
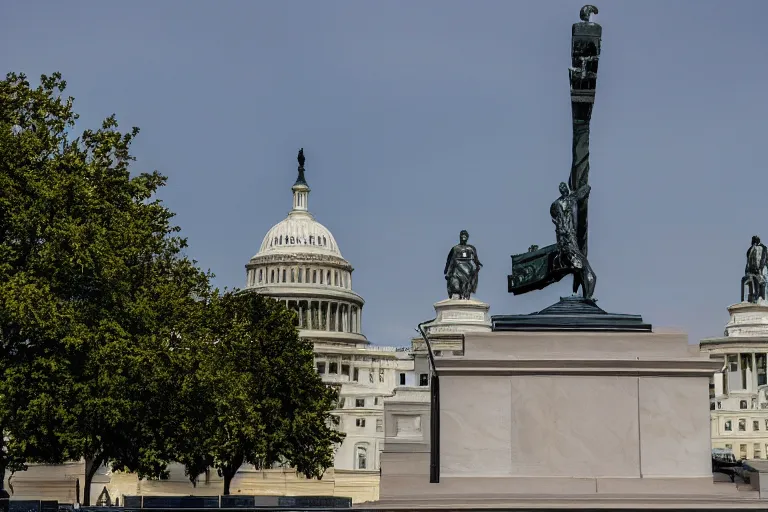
column 57, row 482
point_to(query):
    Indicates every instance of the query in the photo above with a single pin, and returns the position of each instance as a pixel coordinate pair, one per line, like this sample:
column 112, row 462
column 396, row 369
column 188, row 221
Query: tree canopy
column 255, row 397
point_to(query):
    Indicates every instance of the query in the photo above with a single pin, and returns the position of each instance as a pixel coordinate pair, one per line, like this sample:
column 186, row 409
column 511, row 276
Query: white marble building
column 299, row 262
column 739, row 392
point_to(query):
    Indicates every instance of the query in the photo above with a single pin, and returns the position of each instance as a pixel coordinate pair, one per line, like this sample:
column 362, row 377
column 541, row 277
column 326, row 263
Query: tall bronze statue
column 753, row 272
column 462, row 268
column 538, row 268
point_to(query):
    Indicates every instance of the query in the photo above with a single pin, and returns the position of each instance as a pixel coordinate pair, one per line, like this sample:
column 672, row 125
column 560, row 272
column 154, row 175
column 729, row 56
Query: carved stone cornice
column 300, row 258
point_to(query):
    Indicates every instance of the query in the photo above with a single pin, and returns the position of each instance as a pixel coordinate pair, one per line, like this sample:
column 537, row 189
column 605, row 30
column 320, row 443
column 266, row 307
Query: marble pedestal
column 566, row 414
column 747, row 319
column 458, row 316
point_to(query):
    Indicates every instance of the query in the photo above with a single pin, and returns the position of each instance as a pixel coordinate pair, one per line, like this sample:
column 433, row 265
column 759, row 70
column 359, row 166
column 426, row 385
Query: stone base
column 563, row 415
column 460, row 316
column 571, row 314
column 747, row 319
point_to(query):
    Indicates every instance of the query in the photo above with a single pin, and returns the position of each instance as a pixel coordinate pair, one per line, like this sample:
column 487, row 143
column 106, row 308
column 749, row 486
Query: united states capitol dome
column 299, row 232
column 299, row 262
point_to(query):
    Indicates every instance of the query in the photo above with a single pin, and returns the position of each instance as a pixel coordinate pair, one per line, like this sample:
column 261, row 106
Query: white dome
column 299, row 232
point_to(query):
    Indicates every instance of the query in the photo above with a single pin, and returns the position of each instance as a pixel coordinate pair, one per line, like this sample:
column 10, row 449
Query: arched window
column 361, row 456
column 284, row 276
column 272, row 277
column 293, row 276
column 281, row 239
column 321, row 277
column 324, row 242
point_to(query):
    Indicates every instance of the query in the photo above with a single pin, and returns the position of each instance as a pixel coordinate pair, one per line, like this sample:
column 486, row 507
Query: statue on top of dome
column 300, row 180
column 757, row 256
column 462, row 269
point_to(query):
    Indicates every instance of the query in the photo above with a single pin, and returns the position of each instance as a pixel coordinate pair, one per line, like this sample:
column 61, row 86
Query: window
column 293, row 276
column 284, row 276
column 376, row 400
column 272, row 278
column 359, row 402
column 402, row 379
column 743, row 404
column 742, row 425
column 756, row 451
column 711, row 406
column 370, row 376
column 345, row 369
column 719, row 405
column 381, row 375
column 321, row 277
column 261, row 274
column 755, row 425
column 342, row 401
column 729, row 447
column 742, row 451
column 727, row 426
column 320, row 367
column 301, row 274
column 379, row 425
column 328, row 278
column 423, row 379
column 360, row 422
column 733, row 363
column 356, row 374
column 746, row 367
column 314, row 276
column 362, row 457
column 333, row 368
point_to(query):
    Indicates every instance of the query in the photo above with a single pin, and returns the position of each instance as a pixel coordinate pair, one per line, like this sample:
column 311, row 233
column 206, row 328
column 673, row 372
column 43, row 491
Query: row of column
column 309, row 275
column 745, row 371
column 327, row 315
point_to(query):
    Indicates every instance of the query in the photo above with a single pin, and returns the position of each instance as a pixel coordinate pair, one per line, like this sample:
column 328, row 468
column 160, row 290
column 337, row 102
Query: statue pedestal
column 536, row 417
column 747, row 319
column 460, row 316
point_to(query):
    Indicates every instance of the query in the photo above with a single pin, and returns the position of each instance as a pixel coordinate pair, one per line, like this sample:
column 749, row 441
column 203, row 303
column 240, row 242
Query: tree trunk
column 92, row 464
column 228, row 472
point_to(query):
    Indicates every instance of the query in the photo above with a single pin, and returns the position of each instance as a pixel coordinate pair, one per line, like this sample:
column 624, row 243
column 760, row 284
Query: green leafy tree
column 94, row 290
column 252, row 394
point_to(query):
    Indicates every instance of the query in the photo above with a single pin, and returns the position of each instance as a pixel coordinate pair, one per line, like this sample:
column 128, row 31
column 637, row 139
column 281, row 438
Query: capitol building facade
column 300, row 263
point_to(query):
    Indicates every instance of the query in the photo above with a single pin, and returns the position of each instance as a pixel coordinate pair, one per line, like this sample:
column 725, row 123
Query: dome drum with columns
column 300, row 263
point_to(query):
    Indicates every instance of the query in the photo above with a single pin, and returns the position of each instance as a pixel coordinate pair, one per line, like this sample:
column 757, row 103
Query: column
column 328, row 315
column 347, row 319
column 338, row 316
column 754, row 373
column 301, row 315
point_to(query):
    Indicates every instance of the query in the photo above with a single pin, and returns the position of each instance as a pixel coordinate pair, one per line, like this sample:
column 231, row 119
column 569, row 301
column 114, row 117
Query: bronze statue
column 540, row 267
column 300, row 158
column 753, row 272
column 462, row 268
column 569, row 255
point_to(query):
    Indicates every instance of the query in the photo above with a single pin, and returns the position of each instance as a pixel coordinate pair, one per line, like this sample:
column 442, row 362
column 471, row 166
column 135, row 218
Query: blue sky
column 420, row 119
